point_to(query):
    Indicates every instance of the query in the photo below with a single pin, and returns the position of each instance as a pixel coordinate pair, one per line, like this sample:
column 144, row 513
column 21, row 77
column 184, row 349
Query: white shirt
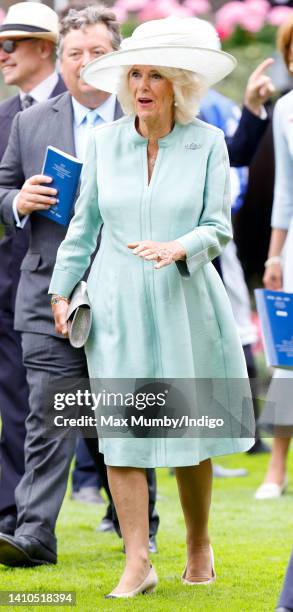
column 282, row 214
column 236, row 288
column 43, row 90
column 81, row 129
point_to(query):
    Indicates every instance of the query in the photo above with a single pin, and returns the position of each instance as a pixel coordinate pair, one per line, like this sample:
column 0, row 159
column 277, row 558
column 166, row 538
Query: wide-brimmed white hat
column 30, row 19
column 188, row 43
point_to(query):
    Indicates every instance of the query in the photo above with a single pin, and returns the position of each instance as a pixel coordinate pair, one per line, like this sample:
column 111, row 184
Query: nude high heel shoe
column 147, row 586
column 194, row 582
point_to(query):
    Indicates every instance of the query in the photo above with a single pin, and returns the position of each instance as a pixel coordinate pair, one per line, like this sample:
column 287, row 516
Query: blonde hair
column 284, row 40
column 187, row 87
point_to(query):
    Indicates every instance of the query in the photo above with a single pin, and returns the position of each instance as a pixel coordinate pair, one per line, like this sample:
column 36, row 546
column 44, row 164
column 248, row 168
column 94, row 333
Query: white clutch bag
column 79, row 316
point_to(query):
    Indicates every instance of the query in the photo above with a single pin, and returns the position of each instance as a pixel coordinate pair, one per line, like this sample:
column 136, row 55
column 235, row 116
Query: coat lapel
column 60, row 88
column 63, row 128
column 13, row 107
column 64, row 125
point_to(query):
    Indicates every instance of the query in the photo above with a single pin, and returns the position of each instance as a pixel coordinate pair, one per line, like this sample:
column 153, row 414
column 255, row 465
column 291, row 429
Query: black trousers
column 84, row 473
column 40, row 492
column 14, row 409
column 111, row 514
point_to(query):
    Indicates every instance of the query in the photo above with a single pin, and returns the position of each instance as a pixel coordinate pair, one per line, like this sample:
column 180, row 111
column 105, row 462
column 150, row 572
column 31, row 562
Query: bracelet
column 276, row 259
column 55, row 299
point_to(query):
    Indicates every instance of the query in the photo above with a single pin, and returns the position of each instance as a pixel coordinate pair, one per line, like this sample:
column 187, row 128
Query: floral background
column 247, row 29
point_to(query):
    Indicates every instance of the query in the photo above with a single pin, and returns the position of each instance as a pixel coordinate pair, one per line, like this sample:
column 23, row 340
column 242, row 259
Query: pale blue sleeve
column 283, row 193
column 74, row 253
column 214, row 230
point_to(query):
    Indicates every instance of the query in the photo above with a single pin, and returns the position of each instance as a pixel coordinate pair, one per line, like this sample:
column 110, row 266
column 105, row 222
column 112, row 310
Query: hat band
column 22, row 28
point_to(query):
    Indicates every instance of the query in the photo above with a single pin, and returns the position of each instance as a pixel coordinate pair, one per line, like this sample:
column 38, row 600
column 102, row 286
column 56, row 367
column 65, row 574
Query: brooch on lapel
column 192, row 146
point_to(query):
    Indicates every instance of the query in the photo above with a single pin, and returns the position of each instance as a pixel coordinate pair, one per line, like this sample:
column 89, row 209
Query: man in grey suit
column 27, row 59
column 64, row 123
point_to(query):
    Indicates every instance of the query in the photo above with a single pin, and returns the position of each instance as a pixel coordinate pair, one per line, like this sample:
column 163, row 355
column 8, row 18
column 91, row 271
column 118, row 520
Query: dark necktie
column 27, row 101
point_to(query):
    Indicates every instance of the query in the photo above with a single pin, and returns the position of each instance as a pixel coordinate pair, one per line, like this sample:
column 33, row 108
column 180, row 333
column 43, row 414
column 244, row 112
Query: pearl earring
column 175, row 103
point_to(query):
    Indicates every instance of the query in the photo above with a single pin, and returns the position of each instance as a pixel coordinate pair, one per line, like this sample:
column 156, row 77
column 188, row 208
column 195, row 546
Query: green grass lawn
column 252, row 542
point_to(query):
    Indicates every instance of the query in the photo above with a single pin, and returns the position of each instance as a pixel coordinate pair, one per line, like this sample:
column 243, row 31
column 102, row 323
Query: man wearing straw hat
column 28, row 38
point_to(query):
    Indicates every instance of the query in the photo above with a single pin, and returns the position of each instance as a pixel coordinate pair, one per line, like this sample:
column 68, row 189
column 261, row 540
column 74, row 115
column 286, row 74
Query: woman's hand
column 60, row 312
column 273, row 277
column 164, row 253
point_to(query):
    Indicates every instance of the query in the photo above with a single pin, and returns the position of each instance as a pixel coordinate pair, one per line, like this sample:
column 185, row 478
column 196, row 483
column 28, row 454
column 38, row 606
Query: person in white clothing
column 279, row 273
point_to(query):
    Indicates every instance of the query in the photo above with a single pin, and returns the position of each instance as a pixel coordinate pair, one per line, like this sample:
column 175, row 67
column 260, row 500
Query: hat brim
column 19, row 34
column 209, row 64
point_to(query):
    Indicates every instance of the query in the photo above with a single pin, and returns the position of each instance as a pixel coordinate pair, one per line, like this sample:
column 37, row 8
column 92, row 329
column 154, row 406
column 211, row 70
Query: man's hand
column 259, row 88
column 60, row 312
column 164, row 253
column 35, row 196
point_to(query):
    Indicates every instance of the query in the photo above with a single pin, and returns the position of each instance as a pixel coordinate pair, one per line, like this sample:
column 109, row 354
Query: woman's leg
column 130, row 495
column 277, row 466
column 195, row 486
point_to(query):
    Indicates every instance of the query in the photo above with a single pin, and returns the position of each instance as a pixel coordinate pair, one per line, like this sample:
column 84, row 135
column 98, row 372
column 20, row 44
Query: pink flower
column 198, row 7
column 120, row 12
column 224, row 31
column 181, row 11
column 158, row 9
column 231, row 13
column 255, row 15
column 252, row 22
column 228, row 17
column 279, row 14
column 250, row 15
column 258, row 7
column 131, row 5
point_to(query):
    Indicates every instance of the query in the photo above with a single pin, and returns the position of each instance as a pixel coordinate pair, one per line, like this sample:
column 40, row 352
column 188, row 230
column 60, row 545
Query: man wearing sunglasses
column 28, row 38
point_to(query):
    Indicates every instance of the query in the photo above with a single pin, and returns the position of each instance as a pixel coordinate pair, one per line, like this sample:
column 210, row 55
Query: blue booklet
column 275, row 309
column 65, row 171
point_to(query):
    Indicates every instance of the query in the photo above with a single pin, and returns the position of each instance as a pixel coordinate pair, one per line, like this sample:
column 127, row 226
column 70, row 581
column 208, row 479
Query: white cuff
column 18, row 222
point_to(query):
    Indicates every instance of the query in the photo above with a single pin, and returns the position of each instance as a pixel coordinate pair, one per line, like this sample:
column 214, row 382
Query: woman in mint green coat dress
column 158, row 182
